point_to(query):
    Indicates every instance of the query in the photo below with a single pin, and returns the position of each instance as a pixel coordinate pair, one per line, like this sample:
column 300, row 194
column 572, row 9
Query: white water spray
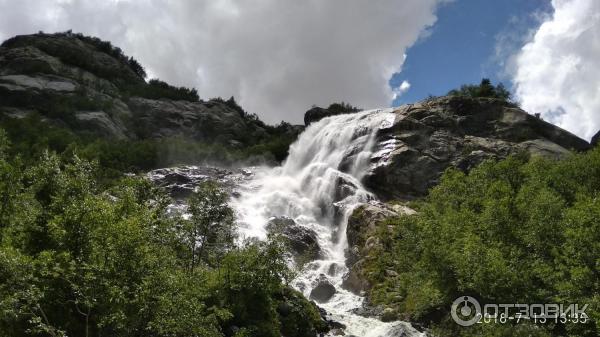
column 318, row 186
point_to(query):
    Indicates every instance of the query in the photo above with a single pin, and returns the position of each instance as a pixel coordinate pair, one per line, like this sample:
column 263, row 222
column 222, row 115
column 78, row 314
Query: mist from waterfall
column 318, row 186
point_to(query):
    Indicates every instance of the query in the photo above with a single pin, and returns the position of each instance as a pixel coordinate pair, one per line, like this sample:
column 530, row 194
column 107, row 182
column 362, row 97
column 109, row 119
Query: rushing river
column 318, row 186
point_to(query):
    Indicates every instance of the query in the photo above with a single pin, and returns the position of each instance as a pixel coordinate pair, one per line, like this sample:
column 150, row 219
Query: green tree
column 209, row 232
column 484, row 89
column 520, row 230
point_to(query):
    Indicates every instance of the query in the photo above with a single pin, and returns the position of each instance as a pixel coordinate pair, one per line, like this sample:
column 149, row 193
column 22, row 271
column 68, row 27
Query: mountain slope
column 91, row 88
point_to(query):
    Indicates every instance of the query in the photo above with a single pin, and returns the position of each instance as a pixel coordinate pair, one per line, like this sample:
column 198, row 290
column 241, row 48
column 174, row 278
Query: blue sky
column 461, row 47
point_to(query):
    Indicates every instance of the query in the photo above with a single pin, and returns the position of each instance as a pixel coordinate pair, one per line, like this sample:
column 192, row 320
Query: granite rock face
column 430, row 136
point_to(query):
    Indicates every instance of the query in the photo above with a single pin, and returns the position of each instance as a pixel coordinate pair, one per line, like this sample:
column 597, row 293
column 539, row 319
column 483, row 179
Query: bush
column 342, row 107
column 157, row 89
column 78, row 259
column 76, row 57
column 484, row 89
column 32, row 135
column 515, row 231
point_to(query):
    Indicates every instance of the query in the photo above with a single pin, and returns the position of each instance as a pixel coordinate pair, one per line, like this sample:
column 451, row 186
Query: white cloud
column 557, row 73
column 277, row 57
column 401, row 89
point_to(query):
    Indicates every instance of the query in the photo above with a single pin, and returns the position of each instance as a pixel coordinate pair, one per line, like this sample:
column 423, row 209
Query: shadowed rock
column 302, row 242
column 323, row 291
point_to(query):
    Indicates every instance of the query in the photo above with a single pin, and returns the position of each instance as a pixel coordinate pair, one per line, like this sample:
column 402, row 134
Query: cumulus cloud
column 401, row 89
column 557, row 73
column 277, row 57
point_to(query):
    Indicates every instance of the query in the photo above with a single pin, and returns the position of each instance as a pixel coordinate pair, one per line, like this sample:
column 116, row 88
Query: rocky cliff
column 430, row 136
column 89, row 86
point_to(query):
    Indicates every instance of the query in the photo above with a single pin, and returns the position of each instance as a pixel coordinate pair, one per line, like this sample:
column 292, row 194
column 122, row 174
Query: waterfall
column 318, row 186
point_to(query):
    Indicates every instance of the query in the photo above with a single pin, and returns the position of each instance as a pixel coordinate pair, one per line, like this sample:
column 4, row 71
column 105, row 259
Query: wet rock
column 302, row 242
column 399, row 331
column 337, row 325
column 337, row 332
column 389, row 315
column 181, row 181
column 323, row 291
column 368, row 311
column 334, row 269
column 344, row 187
column 355, row 281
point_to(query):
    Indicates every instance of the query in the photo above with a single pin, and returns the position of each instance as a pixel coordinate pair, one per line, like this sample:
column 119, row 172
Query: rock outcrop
column 430, row 136
column 323, row 291
column 316, row 113
column 80, row 83
column 360, row 231
column 302, row 242
column 181, row 181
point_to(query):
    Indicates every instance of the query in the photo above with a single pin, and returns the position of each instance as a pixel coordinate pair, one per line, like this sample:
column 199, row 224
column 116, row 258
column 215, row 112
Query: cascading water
column 318, row 186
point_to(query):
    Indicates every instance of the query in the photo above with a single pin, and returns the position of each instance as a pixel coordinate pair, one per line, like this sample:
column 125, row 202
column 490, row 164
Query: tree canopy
column 484, row 89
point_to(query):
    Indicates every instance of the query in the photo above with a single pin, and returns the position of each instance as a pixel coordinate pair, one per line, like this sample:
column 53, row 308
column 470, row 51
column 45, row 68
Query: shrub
column 79, row 259
column 157, row 89
column 484, row 89
column 515, row 231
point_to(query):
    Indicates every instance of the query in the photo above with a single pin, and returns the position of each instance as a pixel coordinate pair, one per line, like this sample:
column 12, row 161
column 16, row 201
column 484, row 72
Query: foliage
column 484, row 89
column 78, row 259
column 84, row 60
column 157, row 89
column 128, row 73
column 30, row 136
column 515, row 231
column 342, row 107
column 209, row 232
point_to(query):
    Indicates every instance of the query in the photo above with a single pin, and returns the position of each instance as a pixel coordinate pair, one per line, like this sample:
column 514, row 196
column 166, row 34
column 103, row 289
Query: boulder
column 315, row 114
column 323, row 291
column 302, row 242
column 181, row 181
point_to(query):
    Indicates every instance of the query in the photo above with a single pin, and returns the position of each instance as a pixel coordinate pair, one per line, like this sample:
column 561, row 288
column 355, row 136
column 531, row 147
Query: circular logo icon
column 466, row 310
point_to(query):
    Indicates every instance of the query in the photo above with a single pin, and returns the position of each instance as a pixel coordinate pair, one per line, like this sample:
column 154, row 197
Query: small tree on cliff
column 484, row 89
